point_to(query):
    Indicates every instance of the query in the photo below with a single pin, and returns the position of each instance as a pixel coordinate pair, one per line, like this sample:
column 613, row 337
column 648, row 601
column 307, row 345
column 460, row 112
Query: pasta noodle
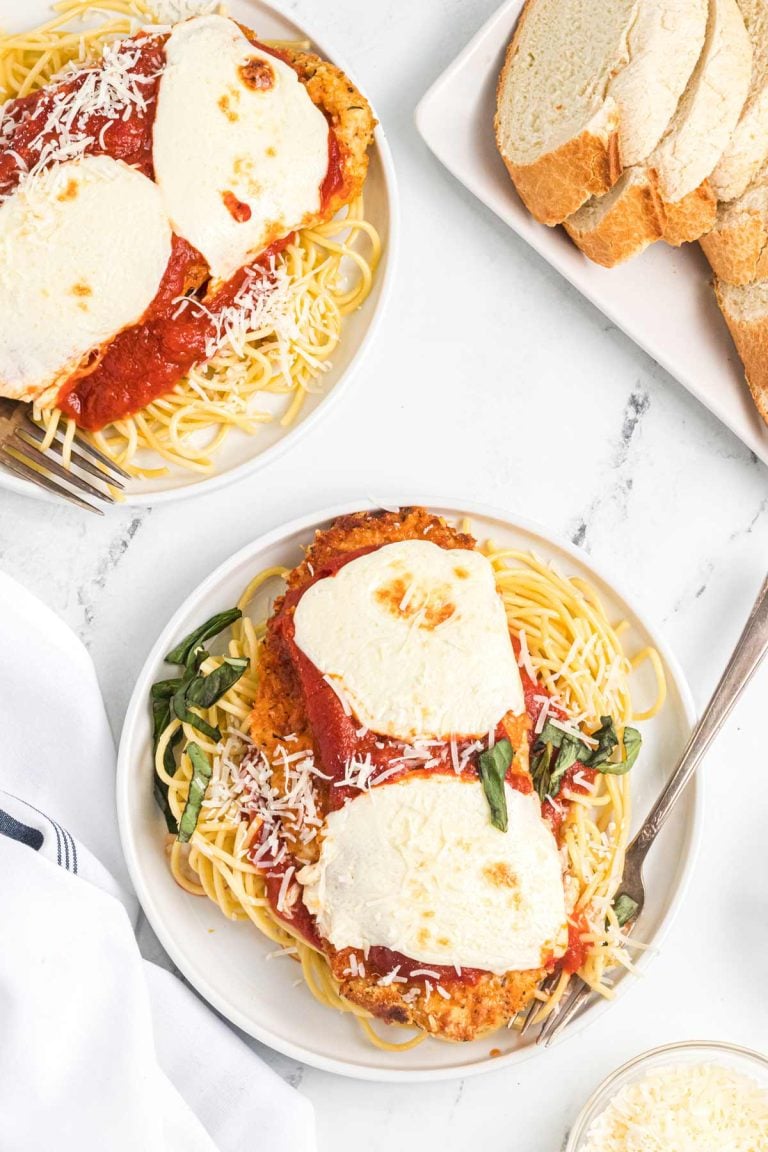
column 577, row 656
column 322, row 276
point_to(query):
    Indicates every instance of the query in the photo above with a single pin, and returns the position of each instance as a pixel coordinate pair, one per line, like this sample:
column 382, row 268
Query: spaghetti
column 568, row 646
column 258, row 375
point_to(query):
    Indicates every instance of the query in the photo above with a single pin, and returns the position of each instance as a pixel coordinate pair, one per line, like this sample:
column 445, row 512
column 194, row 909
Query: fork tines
column 22, row 454
column 547, row 986
column 573, row 1001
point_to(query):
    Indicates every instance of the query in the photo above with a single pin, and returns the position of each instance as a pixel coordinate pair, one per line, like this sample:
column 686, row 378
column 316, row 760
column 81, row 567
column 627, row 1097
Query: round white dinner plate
column 241, row 455
column 227, row 961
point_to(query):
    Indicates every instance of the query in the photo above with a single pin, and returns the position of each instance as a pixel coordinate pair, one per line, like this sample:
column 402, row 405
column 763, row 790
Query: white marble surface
column 491, row 380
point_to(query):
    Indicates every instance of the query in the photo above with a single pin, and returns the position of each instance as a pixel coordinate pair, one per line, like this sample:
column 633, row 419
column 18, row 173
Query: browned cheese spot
column 257, row 74
column 82, row 291
column 70, row 191
column 500, row 874
column 432, row 608
column 225, row 104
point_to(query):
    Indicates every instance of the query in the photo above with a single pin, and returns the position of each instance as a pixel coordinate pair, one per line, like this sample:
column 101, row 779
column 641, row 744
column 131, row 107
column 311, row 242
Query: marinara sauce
column 148, row 359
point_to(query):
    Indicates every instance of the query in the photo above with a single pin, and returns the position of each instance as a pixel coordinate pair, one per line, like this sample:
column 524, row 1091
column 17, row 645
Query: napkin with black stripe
column 99, row 1049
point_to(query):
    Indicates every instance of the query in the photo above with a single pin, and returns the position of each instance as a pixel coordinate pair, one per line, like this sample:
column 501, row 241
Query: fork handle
column 750, row 650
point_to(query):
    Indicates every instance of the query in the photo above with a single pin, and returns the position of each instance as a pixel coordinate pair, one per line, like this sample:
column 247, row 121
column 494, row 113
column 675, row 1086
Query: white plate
column 225, row 961
column 663, row 299
column 241, row 454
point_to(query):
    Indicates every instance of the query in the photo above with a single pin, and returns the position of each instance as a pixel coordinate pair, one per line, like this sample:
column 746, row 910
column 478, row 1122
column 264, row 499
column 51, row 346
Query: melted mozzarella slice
column 415, row 638
column 83, row 248
column 240, row 150
column 417, row 866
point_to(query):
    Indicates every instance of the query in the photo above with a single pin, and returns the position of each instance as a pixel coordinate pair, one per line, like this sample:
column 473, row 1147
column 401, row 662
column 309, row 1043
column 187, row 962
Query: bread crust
column 626, row 229
column 557, row 185
column 690, row 217
column 739, row 254
column 641, row 217
column 751, row 340
column 559, row 182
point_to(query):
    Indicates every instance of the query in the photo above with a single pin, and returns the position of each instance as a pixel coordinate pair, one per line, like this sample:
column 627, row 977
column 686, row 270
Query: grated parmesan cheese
column 524, row 659
column 684, row 1108
column 112, row 90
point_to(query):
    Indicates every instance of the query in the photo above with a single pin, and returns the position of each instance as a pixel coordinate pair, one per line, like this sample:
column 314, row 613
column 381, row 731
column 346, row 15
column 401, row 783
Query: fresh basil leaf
column 541, row 763
column 169, row 758
column 180, row 710
column 607, row 740
column 204, row 691
column 492, row 767
column 201, row 774
column 625, row 908
column 161, row 797
column 614, row 768
column 164, row 689
column 161, row 718
column 195, row 659
column 633, row 742
column 160, row 695
column 568, row 755
column 212, row 627
column 161, row 788
column 551, row 735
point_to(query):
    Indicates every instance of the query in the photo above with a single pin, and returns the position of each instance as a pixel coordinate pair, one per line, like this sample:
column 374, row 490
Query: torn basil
column 624, row 908
column 201, row 774
column 493, row 765
column 555, row 751
column 211, row 628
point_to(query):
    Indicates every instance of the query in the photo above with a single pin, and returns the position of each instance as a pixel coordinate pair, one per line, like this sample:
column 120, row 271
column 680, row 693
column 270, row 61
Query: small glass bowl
column 741, row 1060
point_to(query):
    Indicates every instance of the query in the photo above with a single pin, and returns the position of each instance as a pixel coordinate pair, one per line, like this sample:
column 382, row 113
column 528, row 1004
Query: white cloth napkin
column 99, row 1049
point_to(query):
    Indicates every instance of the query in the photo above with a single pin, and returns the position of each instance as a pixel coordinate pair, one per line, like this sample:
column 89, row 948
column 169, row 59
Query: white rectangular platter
column 663, row 299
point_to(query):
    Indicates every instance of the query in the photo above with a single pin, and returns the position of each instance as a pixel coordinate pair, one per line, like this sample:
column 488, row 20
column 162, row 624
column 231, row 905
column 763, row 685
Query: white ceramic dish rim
column 125, row 767
column 636, row 1065
column 260, row 460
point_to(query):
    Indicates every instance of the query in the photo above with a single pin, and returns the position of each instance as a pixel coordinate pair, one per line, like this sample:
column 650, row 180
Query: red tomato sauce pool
column 147, row 360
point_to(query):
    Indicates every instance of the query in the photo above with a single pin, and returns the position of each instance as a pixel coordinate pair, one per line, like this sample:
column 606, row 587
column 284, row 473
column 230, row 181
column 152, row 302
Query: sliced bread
column 588, row 89
column 745, row 309
column 612, row 228
column 737, row 246
column 669, row 196
column 748, row 148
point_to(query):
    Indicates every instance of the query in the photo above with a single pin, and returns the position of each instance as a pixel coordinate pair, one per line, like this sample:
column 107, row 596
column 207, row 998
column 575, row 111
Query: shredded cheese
column 684, row 1108
column 112, row 90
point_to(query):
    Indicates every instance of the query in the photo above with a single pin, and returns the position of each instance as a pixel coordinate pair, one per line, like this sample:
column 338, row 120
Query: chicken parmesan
column 154, row 205
column 425, row 798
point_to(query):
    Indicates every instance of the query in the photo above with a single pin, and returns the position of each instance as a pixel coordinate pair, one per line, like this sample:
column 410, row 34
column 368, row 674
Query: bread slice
column 745, row 309
column 612, row 228
column 737, row 246
column 748, row 148
column 669, row 195
column 588, row 89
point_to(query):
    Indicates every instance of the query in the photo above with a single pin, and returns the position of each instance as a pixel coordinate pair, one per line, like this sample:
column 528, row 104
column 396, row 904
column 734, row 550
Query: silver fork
column 748, row 653
column 20, row 452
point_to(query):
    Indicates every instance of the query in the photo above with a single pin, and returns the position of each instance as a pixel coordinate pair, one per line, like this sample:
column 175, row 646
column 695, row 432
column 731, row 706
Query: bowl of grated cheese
column 706, row 1096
